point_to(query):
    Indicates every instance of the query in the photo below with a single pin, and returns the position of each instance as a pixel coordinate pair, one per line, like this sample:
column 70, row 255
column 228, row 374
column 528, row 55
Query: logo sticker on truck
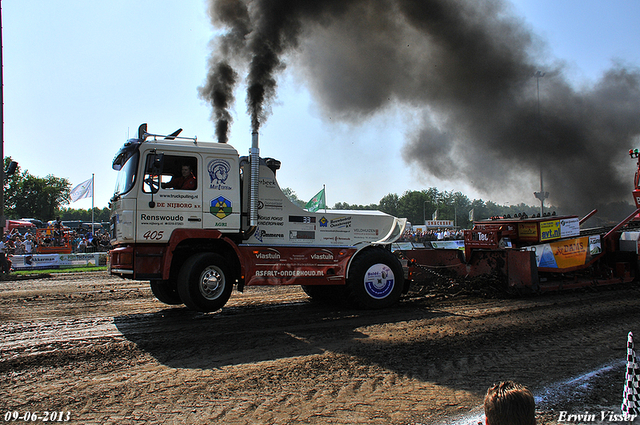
column 220, row 207
column 219, row 173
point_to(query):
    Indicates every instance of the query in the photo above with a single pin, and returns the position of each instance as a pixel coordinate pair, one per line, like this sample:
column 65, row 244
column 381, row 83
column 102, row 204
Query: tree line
column 417, row 206
column 42, row 198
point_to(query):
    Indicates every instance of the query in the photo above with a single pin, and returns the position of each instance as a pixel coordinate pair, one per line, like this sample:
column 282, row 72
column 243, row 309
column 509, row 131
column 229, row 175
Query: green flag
column 317, row 202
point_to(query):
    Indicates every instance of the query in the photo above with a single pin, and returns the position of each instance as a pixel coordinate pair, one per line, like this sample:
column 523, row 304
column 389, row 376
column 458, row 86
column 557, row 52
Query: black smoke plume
column 466, row 69
column 227, row 49
column 259, row 32
column 219, row 92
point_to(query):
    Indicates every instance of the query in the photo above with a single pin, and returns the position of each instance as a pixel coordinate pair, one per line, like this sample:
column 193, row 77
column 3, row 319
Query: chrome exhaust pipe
column 255, row 173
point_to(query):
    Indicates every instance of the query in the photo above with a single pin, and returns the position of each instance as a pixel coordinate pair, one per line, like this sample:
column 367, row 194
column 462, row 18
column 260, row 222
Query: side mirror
column 155, row 163
column 153, row 169
column 142, row 131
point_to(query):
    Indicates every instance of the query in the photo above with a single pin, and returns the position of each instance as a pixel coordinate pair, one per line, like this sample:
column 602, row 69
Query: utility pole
column 542, row 195
column 3, row 219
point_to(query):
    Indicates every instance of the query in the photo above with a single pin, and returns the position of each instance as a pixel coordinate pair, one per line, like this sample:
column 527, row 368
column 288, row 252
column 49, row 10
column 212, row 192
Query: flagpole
column 325, row 197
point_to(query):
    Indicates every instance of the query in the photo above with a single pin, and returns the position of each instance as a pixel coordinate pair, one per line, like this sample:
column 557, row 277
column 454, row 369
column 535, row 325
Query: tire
column 166, row 291
column 376, row 279
column 204, row 282
column 326, row 294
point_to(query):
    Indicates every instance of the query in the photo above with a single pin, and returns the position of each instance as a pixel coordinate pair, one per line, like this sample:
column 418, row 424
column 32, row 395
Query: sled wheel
column 204, row 282
column 375, row 279
column 325, row 294
column 166, row 292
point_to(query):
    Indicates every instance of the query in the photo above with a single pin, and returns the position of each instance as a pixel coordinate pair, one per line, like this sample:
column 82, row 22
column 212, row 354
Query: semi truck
column 196, row 219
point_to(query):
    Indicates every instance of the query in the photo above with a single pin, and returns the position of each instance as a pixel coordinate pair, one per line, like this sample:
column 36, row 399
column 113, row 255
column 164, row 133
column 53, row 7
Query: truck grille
column 113, row 227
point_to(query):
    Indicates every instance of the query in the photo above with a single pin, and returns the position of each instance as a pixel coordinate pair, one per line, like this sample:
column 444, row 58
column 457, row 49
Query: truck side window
column 179, row 173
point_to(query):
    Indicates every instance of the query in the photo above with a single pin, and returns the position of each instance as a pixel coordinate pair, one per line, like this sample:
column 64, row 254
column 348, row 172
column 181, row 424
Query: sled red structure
column 544, row 253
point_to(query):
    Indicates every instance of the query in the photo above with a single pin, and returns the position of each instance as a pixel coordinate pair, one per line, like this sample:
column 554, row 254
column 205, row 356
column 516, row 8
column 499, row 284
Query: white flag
column 83, row 190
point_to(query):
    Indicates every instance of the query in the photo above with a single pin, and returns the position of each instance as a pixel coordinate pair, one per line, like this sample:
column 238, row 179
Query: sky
column 80, row 77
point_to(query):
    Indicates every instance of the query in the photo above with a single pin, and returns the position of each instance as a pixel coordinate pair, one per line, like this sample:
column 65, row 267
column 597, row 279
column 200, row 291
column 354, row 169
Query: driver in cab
column 187, row 181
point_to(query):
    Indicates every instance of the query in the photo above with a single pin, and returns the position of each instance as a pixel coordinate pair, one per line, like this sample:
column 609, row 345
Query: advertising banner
column 571, row 253
column 555, row 229
column 53, row 261
column 438, row 223
column 456, row 244
column 528, row 231
column 569, row 227
column 296, row 265
column 549, row 230
column 567, row 253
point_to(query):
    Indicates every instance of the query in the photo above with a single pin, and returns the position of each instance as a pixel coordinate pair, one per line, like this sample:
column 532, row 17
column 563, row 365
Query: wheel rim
column 212, row 283
column 379, row 281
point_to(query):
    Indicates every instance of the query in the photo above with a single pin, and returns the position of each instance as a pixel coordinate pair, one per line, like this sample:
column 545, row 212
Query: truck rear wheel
column 204, row 282
column 166, row 291
column 375, row 279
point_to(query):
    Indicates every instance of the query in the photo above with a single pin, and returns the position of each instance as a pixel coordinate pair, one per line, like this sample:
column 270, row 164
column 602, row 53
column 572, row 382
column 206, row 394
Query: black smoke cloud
column 467, row 67
column 228, row 50
column 258, row 33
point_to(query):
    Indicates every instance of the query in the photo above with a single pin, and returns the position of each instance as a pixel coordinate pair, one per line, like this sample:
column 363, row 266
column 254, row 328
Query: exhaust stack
column 255, row 172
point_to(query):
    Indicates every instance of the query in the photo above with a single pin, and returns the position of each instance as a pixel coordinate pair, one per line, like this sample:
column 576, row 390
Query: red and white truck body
column 237, row 227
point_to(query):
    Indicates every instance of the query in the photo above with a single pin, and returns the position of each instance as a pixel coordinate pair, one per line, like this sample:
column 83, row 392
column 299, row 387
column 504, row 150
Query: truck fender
column 179, row 236
column 357, row 253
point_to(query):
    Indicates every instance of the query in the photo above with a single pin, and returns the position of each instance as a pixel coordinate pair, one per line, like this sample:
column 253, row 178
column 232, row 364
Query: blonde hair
column 509, row 403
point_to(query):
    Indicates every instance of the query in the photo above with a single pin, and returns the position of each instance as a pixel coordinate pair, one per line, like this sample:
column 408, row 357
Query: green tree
column 11, row 186
column 41, row 197
column 289, row 193
column 418, row 206
column 99, row 215
column 30, row 196
column 346, row 206
column 411, row 205
column 461, row 207
column 389, row 204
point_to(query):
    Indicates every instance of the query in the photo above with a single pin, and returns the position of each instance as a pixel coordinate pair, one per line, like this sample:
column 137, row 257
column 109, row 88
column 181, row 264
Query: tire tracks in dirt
column 271, row 356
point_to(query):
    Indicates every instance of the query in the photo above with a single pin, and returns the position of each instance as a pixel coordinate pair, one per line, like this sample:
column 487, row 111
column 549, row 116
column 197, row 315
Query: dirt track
column 106, row 351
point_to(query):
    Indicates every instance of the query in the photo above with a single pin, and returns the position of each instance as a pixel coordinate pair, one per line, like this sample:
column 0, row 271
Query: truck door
column 171, row 195
column 221, row 193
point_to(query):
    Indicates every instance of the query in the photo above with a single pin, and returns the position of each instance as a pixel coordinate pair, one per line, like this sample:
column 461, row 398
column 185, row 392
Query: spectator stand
column 54, row 241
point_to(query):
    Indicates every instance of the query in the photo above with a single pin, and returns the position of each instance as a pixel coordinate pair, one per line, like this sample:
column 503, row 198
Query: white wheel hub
column 379, row 281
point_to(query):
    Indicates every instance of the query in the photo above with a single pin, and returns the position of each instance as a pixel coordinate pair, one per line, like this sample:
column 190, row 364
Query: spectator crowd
column 418, row 235
column 16, row 243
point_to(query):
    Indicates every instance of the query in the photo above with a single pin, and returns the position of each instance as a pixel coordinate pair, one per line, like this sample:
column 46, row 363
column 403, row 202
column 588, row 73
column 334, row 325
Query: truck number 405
column 153, row 235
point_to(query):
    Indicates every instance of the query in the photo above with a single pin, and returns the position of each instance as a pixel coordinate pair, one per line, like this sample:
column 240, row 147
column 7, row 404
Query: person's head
column 186, row 170
column 509, row 403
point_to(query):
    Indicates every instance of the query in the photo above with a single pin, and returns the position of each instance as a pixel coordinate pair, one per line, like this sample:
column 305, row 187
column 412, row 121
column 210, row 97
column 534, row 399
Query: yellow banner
column 571, row 253
column 528, row 231
column 550, row 230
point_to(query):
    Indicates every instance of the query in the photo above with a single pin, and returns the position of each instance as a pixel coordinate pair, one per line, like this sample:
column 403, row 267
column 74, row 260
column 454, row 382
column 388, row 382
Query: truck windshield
column 127, row 175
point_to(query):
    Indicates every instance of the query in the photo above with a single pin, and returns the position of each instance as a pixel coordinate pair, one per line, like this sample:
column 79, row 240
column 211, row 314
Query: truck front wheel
column 166, row 291
column 375, row 279
column 204, row 282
